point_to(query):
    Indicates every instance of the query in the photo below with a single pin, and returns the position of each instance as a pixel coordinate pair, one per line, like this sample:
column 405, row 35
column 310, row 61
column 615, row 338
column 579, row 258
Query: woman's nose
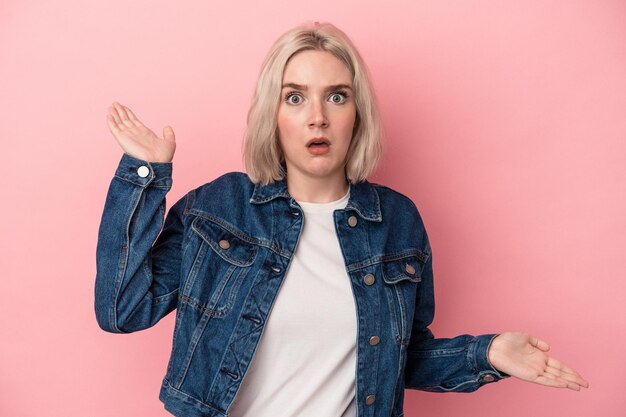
column 317, row 117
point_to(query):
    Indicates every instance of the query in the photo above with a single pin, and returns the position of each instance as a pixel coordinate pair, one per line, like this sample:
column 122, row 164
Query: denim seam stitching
column 255, row 241
column 131, row 181
column 191, row 349
column 195, row 267
column 192, row 302
column 219, row 291
column 222, row 253
column 124, row 261
column 183, row 394
column 374, row 260
column 164, row 297
column 427, row 353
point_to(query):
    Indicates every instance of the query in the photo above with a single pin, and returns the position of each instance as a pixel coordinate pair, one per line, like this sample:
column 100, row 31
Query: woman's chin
column 326, row 172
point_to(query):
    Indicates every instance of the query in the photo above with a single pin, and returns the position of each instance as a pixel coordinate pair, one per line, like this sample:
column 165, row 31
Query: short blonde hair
column 262, row 154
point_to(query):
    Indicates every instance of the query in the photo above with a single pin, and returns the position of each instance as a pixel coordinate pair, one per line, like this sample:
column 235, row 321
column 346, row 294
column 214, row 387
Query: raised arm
column 136, row 139
column 138, row 254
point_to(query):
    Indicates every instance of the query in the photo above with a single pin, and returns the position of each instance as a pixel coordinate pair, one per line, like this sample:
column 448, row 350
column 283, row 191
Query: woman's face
column 316, row 115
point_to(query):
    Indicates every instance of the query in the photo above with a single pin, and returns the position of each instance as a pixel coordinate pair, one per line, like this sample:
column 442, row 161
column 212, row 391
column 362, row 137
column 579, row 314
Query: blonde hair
column 262, row 153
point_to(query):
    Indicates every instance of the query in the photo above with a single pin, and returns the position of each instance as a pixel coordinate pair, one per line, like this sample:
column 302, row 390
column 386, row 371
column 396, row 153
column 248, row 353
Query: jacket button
column 409, row 269
column 488, row 378
column 224, row 244
column 352, row 221
column 374, row 340
column 143, row 171
column 369, row 279
column 369, row 400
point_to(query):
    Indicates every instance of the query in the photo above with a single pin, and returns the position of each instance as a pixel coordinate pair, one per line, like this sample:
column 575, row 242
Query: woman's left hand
column 524, row 357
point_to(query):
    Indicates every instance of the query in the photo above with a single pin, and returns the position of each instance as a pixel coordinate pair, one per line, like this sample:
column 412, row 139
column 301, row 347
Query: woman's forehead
column 316, row 68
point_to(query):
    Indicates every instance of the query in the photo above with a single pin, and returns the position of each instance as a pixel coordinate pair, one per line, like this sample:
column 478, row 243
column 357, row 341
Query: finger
column 549, row 375
column 539, row 344
column 574, row 387
column 168, row 134
column 112, row 124
column 123, row 115
column 553, row 370
column 555, row 363
column 121, row 111
column 571, row 374
column 573, row 380
column 561, row 379
column 132, row 117
column 114, row 114
column 551, row 382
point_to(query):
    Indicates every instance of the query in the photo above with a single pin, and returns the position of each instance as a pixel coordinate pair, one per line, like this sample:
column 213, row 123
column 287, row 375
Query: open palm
column 136, row 139
column 524, row 356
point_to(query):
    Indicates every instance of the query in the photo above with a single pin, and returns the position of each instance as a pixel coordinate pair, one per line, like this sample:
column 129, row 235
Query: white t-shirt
column 305, row 362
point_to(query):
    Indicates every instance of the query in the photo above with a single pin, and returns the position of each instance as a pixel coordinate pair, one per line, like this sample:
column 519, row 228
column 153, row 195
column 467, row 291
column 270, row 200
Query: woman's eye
column 338, row 98
column 293, row 99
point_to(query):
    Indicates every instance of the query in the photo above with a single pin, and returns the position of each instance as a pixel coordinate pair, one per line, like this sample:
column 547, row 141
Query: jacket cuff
column 143, row 173
column 481, row 362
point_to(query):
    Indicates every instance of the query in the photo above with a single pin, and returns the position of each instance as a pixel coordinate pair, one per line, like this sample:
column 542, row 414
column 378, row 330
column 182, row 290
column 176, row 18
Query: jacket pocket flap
column 237, row 249
column 409, row 269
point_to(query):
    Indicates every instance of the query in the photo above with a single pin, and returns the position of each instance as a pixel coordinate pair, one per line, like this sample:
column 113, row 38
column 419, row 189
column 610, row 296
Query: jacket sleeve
column 458, row 364
column 138, row 255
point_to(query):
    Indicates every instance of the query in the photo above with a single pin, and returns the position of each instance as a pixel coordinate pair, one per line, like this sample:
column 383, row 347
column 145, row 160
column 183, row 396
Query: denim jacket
column 219, row 258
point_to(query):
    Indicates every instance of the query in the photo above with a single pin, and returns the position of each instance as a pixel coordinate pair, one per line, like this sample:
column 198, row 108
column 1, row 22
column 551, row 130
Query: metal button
column 369, row 279
column 224, row 244
column 409, row 269
column 369, row 400
column 143, row 171
column 276, row 269
column 352, row 221
column 488, row 378
column 374, row 340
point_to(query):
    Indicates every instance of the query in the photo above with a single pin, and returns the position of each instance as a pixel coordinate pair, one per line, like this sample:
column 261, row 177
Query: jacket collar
column 363, row 197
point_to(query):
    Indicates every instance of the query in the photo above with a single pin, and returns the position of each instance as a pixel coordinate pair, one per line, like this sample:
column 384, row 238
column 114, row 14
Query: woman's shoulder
column 399, row 212
column 227, row 182
column 394, row 198
column 224, row 191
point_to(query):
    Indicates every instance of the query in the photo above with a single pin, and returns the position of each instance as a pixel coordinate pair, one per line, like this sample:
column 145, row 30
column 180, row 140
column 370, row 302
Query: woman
column 300, row 288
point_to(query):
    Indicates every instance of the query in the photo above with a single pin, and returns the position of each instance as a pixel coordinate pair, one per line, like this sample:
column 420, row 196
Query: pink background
column 505, row 123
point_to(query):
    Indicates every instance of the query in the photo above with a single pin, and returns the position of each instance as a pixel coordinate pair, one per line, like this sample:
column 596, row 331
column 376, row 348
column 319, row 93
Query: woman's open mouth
column 318, row 146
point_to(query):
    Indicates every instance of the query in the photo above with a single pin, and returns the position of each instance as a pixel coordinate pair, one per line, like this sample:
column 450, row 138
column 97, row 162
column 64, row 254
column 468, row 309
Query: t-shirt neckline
column 330, row 206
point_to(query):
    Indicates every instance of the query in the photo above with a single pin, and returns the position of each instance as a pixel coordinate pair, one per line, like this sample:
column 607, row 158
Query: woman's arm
column 458, row 364
column 465, row 363
column 138, row 265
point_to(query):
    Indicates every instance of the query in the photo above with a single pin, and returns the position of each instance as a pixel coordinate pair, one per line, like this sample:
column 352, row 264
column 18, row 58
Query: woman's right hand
column 136, row 139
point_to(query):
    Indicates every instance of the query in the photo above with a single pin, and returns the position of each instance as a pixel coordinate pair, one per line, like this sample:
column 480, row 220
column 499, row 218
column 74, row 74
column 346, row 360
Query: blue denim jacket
column 219, row 259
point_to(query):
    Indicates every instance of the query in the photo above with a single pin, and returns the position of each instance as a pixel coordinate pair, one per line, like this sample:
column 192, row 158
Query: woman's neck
column 317, row 190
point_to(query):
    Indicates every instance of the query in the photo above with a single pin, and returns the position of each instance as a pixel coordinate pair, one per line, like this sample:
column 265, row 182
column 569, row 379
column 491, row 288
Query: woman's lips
column 318, row 149
column 318, row 146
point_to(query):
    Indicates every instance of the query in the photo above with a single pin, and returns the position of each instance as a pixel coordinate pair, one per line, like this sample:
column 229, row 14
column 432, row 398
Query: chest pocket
column 405, row 269
column 222, row 262
column 402, row 278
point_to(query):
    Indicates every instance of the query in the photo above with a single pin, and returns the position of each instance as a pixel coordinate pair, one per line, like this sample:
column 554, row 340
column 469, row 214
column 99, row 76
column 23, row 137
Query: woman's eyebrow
column 304, row 87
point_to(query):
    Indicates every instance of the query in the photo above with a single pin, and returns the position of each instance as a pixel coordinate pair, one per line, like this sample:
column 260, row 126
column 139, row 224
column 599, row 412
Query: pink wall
column 506, row 124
